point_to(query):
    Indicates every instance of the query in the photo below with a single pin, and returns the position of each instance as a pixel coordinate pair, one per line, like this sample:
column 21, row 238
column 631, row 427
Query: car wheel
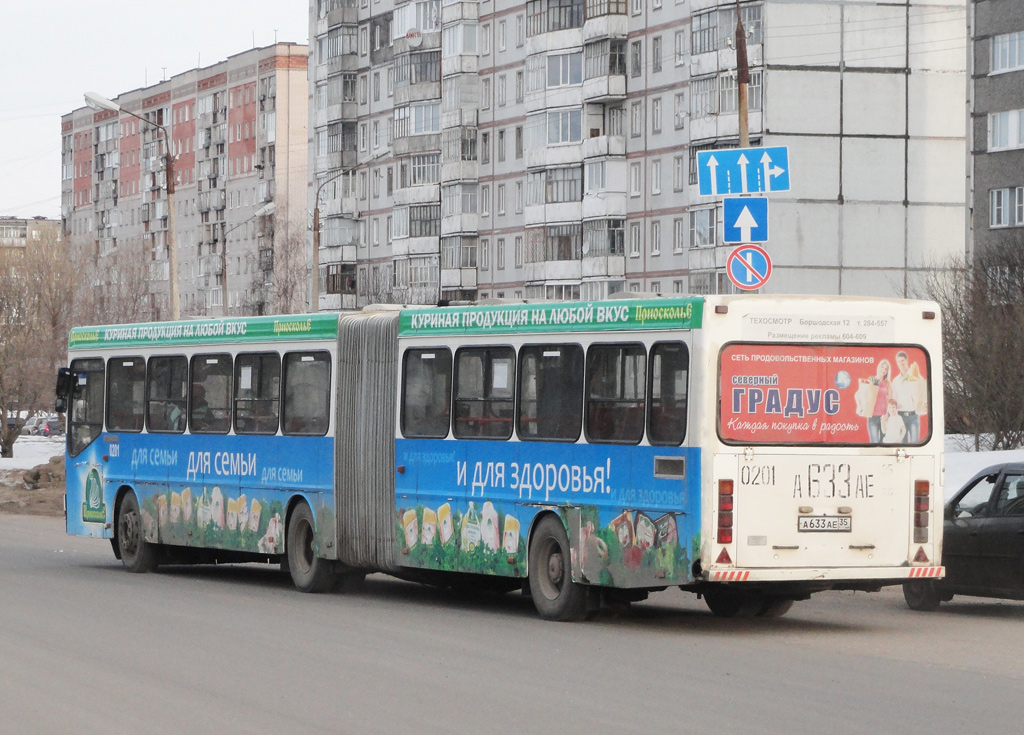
column 922, row 595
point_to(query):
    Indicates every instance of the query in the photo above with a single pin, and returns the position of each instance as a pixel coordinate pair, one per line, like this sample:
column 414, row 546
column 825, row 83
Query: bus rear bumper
column 877, row 575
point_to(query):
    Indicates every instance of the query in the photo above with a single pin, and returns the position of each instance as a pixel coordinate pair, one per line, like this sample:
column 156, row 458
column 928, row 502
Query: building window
column 485, row 200
column 1019, row 209
column 702, row 227
column 519, row 86
column 702, row 97
column 704, row 32
column 634, row 240
column 655, row 238
column 678, row 235
column 1005, row 130
column 565, row 69
column 636, row 119
column 499, row 255
column 999, row 208
column 485, row 147
column 656, row 115
column 635, row 180
column 1008, row 52
column 636, row 64
column 604, row 237
column 656, row 176
column 518, row 251
column 500, row 145
column 500, row 204
column 656, row 53
column 678, row 172
column 519, row 141
column 681, row 111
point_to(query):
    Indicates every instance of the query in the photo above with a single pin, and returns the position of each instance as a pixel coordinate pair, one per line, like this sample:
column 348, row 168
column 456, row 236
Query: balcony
column 605, row 88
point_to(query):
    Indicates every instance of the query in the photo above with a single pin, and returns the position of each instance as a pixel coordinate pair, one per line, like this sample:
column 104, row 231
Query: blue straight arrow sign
column 745, row 219
column 742, row 170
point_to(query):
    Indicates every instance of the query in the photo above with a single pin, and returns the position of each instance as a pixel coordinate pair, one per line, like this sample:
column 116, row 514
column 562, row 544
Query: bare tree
column 37, row 298
column 119, row 287
column 983, row 329
column 279, row 276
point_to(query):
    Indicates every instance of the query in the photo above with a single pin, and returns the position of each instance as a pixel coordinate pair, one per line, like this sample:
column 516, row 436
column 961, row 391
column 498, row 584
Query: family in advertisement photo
column 893, row 404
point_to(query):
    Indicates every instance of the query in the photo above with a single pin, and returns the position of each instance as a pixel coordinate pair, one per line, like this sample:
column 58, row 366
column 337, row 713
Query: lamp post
column 98, row 102
column 263, row 211
column 315, row 300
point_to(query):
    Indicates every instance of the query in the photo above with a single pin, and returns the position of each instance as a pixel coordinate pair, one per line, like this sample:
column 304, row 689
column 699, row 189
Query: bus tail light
column 725, row 507
column 922, row 506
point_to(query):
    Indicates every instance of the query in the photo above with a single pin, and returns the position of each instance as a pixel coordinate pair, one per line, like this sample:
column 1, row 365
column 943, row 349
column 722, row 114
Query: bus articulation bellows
column 752, row 449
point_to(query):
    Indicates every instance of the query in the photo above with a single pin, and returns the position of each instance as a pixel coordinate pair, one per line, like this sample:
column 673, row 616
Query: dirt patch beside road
column 39, row 491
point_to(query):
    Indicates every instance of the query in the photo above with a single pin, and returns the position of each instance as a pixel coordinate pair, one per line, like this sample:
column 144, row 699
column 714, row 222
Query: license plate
column 824, row 523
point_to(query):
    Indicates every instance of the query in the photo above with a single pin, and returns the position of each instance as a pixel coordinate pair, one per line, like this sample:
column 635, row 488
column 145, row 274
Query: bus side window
column 126, row 389
column 209, row 410
column 615, row 393
column 167, row 403
column 426, row 393
column 257, row 389
column 550, row 392
column 85, row 409
column 484, row 381
column 307, row 393
column 670, row 364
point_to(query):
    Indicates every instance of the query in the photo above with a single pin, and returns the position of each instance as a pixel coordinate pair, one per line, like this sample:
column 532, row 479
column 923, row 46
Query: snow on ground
column 30, row 451
column 961, row 465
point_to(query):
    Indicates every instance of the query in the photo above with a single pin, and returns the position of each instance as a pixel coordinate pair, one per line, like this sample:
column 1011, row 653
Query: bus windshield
column 823, row 394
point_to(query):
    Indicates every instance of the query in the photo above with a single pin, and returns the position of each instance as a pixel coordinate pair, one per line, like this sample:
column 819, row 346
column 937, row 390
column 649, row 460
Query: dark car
column 53, row 426
column 983, row 541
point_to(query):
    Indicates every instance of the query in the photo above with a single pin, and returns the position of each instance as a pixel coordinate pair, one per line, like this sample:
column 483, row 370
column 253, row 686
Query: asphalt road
column 86, row 647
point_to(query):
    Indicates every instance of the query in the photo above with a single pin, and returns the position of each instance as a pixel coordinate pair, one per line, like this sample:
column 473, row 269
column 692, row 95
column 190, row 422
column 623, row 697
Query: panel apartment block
column 546, row 149
column 237, row 137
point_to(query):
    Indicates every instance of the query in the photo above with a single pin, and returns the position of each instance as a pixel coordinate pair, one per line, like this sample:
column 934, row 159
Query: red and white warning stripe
column 921, row 572
column 733, row 576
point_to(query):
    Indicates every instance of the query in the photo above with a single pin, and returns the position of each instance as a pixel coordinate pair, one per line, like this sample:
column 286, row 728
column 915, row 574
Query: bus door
column 425, row 491
column 822, row 458
column 89, row 508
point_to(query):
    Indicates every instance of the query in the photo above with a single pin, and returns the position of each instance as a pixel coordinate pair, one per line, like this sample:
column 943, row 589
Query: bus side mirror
column 65, row 382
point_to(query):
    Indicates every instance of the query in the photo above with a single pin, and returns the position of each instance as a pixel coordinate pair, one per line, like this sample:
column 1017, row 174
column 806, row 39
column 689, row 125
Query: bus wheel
column 309, row 572
column 921, row 594
column 725, row 603
column 555, row 595
column 774, row 607
column 137, row 554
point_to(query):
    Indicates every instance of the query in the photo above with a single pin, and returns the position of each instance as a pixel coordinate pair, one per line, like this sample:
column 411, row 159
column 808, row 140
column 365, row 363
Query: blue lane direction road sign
column 749, row 267
column 746, row 219
column 742, row 170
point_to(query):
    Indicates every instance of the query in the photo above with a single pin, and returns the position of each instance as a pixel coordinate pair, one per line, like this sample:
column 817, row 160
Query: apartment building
column 18, row 234
column 236, row 174
column 998, row 123
column 547, row 149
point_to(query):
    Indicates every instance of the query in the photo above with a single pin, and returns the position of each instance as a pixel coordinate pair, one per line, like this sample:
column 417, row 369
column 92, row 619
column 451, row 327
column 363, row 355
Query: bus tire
column 726, row 603
column 137, row 554
column 554, row 594
column 774, row 607
column 309, row 572
column 921, row 595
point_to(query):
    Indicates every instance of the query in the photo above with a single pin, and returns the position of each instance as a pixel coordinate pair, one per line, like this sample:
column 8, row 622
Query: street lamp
column 266, row 209
column 98, row 102
column 315, row 301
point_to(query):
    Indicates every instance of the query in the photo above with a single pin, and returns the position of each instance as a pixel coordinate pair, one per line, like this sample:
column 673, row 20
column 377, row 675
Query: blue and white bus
column 751, row 449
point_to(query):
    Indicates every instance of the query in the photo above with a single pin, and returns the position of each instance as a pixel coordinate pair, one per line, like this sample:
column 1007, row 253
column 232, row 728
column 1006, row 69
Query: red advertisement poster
column 822, row 394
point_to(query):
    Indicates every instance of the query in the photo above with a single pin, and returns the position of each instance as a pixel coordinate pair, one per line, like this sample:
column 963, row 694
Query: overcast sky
column 51, row 53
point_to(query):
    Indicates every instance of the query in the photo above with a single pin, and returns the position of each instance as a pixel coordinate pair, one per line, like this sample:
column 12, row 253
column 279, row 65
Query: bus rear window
column 824, row 394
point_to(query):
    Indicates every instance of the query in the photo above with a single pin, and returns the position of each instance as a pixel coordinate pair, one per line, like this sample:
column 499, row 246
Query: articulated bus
column 751, row 449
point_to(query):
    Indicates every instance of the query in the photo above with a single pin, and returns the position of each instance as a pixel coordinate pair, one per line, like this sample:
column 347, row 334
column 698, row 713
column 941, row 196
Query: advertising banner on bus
column 823, row 394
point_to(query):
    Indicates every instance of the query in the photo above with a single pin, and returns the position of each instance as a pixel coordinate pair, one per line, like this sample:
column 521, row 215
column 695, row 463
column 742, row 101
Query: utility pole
column 742, row 78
